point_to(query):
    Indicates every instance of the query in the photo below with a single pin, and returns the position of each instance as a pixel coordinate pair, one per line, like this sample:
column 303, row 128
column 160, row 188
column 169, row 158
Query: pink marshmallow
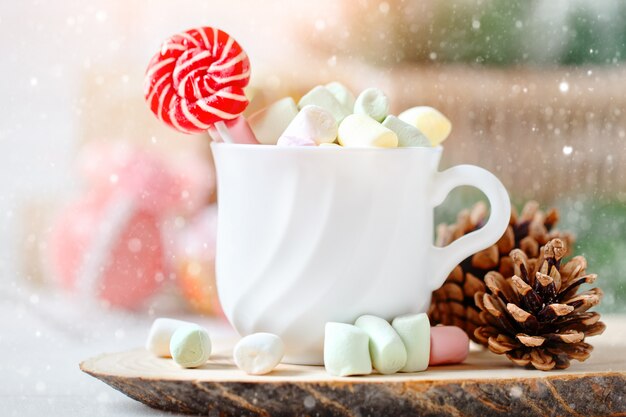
column 294, row 141
column 448, row 345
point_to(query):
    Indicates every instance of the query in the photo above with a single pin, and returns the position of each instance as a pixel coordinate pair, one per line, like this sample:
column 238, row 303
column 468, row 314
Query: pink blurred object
column 448, row 345
column 109, row 242
column 239, row 130
column 184, row 182
column 195, row 256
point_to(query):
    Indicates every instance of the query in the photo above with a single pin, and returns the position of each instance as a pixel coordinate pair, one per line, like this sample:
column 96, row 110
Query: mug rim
column 304, row 149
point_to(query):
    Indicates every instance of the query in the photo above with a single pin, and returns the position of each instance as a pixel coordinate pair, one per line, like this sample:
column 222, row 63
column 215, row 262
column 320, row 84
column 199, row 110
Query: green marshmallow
column 342, row 94
column 414, row 330
column 322, row 97
column 386, row 348
column 372, row 102
column 190, row 346
column 346, row 350
column 408, row 135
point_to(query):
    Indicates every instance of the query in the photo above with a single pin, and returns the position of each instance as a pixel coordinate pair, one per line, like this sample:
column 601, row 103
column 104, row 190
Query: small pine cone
column 537, row 317
column 453, row 303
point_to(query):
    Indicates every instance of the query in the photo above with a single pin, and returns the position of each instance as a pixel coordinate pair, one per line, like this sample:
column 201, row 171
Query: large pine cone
column 453, row 304
column 537, row 317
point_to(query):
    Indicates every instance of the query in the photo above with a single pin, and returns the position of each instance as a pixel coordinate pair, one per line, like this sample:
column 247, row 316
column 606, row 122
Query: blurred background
column 536, row 92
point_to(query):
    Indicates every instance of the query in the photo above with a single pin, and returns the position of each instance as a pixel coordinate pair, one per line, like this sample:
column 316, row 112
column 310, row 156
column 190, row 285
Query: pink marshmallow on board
column 448, row 345
column 239, row 130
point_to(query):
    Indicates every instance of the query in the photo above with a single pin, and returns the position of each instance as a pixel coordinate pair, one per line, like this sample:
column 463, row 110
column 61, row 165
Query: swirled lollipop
column 196, row 81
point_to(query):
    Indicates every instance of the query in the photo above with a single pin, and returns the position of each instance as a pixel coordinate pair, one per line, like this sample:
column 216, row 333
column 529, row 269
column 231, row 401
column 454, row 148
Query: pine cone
column 537, row 317
column 453, row 304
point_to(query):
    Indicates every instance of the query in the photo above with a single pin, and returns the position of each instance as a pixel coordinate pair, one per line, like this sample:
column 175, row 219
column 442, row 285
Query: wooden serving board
column 485, row 385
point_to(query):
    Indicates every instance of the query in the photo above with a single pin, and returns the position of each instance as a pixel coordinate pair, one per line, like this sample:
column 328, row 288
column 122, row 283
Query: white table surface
column 43, row 338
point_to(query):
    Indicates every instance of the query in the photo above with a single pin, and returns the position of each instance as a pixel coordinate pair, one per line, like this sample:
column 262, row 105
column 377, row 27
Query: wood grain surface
column 485, row 385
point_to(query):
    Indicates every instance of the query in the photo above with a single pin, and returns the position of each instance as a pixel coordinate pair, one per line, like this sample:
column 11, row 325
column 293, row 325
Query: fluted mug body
column 308, row 235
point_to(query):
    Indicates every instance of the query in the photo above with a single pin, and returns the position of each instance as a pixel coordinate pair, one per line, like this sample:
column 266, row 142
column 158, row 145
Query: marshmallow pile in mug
column 330, row 115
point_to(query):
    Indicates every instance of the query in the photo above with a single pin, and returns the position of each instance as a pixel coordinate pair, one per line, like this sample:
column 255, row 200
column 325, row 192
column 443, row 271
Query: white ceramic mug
column 308, row 235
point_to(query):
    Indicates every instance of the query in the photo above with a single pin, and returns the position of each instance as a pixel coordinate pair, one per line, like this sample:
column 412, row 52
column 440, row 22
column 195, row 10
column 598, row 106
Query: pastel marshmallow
column 190, row 346
column 448, row 345
column 408, row 135
column 160, row 334
column 342, row 94
column 346, row 350
column 431, row 122
column 322, row 97
column 291, row 141
column 414, row 330
column 312, row 124
column 330, row 145
column 270, row 122
column 372, row 102
column 238, row 129
column 362, row 131
column 386, row 348
column 259, row 353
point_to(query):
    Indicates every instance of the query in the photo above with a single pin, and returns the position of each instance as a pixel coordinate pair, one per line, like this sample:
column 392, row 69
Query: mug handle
column 444, row 259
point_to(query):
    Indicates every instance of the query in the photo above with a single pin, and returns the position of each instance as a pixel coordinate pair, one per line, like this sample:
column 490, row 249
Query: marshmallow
column 429, row 121
column 239, row 131
column 161, row 332
column 362, row 130
column 414, row 330
column 259, row 353
column 346, row 350
column 313, row 125
column 373, row 103
column 342, row 94
column 408, row 135
column 190, row 346
column 330, row 145
column 269, row 123
column 386, row 348
column 448, row 345
column 291, row 141
column 322, row 97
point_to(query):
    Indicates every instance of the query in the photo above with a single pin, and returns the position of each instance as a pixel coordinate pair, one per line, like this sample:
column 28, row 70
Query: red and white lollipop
column 196, row 81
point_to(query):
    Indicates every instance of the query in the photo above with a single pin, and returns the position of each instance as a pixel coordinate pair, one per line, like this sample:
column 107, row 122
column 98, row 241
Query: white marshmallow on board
column 346, row 350
column 431, row 122
column 161, row 332
column 372, row 102
column 312, row 124
column 408, row 135
column 414, row 330
column 386, row 348
column 190, row 346
column 259, row 353
column 361, row 130
column 322, row 97
column 342, row 94
column 270, row 122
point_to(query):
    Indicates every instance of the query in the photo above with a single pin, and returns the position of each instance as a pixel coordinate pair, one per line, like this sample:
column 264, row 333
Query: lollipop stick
column 223, row 132
column 215, row 137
